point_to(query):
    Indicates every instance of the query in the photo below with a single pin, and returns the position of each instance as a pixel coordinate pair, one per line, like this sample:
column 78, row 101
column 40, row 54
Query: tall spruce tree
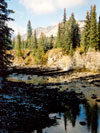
column 29, row 34
column 93, row 29
column 64, row 18
column 18, row 47
column 85, row 38
column 58, row 39
column 72, row 35
column 14, row 43
column 5, row 35
column 34, row 41
column 29, row 30
column 41, row 46
column 63, row 28
column 99, row 33
column 51, row 43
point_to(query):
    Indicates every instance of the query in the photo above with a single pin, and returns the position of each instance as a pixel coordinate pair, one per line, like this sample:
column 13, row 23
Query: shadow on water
column 29, row 108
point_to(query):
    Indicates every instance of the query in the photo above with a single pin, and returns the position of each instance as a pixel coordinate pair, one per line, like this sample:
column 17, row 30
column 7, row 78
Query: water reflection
column 25, row 109
column 35, row 78
column 92, row 117
column 76, row 115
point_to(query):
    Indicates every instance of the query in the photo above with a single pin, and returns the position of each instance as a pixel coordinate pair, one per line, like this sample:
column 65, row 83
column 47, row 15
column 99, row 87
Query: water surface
column 21, row 114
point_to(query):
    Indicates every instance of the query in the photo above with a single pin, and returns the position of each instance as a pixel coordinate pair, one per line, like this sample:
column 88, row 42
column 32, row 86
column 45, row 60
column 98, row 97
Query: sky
column 43, row 13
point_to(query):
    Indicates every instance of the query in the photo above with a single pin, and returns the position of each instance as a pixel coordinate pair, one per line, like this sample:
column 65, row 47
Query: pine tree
column 29, row 34
column 72, row 35
column 18, row 45
column 99, row 34
column 5, row 35
column 13, row 43
column 29, row 30
column 93, row 29
column 64, row 19
column 34, row 41
column 85, row 39
column 41, row 46
column 22, row 44
column 63, row 28
column 58, row 40
column 51, row 44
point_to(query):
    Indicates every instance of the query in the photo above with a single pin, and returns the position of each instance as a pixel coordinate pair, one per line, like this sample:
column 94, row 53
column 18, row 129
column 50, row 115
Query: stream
column 34, row 104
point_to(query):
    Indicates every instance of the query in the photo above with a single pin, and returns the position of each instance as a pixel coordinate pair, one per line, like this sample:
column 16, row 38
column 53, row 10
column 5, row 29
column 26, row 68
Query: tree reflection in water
column 26, row 108
column 92, row 115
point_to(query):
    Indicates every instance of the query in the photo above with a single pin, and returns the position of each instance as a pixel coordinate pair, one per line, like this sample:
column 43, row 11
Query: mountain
column 51, row 30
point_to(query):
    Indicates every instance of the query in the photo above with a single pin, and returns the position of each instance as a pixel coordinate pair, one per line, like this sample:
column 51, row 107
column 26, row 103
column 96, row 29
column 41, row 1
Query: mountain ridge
column 50, row 30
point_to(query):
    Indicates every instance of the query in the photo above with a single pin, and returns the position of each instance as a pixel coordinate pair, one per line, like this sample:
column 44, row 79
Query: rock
column 82, row 123
column 56, row 58
column 97, row 100
column 94, row 96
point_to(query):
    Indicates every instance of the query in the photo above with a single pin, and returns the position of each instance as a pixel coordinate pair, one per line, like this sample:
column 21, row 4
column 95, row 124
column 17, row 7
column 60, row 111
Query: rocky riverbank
column 56, row 58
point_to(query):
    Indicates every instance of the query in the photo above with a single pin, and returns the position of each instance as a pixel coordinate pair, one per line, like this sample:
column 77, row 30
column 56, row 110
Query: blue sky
column 44, row 13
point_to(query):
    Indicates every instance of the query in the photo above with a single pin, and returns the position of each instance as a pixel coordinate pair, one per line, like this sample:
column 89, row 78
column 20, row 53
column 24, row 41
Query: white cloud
column 17, row 28
column 50, row 6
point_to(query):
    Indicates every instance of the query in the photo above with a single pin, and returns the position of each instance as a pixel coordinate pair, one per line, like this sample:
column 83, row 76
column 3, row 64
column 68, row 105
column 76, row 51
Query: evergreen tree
column 51, row 44
column 58, row 40
column 5, row 35
column 29, row 30
column 29, row 34
column 93, row 29
column 72, row 35
column 91, row 11
column 99, row 33
column 34, row 41
column 41, row 46
column 63, row 29
column 85, row 39
column 18, row 45
column 22, row 44
column 13, row 43
column 64, row 19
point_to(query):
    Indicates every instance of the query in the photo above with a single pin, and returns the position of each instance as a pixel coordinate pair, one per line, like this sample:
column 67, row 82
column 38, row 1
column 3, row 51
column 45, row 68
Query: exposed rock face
column 57, row 59
column 90, row 60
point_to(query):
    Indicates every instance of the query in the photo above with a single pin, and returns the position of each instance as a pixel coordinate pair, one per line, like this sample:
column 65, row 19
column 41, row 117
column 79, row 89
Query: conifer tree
column 41, row 46
column 99, row 34
column 5, row 35
column 85, row 39
column 64, row 19
column 63, row 29
column 72, row 35
column 18, row 45
column 34, row 41
column 58, row 40
column 29, row 34
column 14, row 43
column 51, row 44
column 22, row 44
column 29, row 30
column 93, row 29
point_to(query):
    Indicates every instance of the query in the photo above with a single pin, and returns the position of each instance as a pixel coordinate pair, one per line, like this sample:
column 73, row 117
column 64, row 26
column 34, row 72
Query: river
column 35, row 104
